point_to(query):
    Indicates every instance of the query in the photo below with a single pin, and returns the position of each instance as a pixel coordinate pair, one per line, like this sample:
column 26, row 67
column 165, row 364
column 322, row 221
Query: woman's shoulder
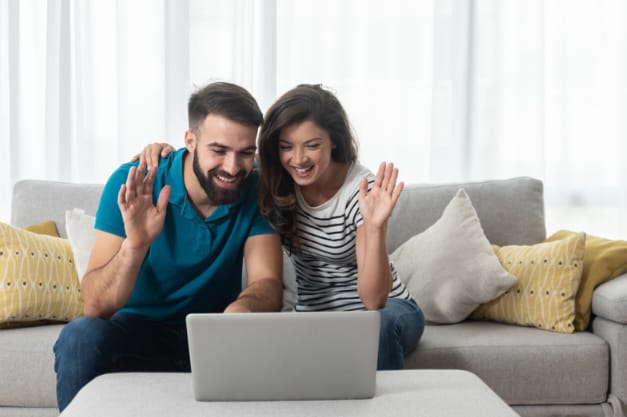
column 353, row 178
column 356, row 172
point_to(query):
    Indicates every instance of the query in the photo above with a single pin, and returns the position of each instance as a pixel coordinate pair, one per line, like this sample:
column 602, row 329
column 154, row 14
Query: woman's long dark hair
column 277, row 199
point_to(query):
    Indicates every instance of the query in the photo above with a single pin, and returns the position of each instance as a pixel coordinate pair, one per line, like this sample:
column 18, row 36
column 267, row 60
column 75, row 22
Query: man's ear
column 190, row 140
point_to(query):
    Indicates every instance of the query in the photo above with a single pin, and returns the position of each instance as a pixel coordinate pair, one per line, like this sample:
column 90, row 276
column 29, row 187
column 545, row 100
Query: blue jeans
column 88, row 347
column 402, row 324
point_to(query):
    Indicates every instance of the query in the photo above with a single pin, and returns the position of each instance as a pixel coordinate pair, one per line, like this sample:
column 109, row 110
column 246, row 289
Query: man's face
column 223, row 156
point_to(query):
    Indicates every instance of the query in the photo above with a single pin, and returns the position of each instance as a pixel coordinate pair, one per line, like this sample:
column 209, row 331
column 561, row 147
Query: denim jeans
column 402, row 324
column 88, row 347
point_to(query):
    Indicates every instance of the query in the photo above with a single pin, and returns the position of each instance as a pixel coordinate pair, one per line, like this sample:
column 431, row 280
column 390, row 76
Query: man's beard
column 219, row 195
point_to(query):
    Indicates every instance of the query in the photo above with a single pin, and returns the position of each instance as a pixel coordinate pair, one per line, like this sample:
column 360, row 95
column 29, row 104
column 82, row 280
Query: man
column 171, row 242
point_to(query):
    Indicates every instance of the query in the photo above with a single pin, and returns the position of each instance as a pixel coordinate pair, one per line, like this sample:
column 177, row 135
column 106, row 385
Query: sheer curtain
column 85, row 83
column 448, row 90
column 549, row 99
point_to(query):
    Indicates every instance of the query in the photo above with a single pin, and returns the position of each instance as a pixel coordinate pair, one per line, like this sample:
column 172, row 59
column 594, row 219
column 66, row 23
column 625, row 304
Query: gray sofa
column 539, row 373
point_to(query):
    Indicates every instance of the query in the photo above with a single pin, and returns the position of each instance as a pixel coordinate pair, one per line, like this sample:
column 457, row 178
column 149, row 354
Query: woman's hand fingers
column 386, row 178
column 152, row 153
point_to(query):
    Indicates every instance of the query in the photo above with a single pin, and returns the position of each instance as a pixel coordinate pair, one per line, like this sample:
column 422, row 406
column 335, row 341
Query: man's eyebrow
column 224, row 147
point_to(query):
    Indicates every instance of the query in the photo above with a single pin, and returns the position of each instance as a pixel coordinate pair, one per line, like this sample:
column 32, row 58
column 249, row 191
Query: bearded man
column 170, row 240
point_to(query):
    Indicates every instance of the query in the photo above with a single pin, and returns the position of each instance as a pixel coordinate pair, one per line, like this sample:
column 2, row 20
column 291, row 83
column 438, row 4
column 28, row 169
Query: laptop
column 283, row 356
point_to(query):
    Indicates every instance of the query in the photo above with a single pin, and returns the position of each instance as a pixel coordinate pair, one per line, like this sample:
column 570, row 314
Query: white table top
column 425, row 393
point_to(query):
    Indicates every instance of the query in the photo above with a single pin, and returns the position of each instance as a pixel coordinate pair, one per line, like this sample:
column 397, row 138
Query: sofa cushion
column 27, row 366
column 616, row 337
column 450, row 268
column 548, row 276
column 511, row 211
column 522, row 364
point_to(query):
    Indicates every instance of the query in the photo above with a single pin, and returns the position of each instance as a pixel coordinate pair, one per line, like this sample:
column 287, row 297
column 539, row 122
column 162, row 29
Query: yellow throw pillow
column 548, row 276
column 38, row 279
column 46, row 228
column 604, row 259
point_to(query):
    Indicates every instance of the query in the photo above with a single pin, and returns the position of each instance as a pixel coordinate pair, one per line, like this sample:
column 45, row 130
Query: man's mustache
column 226, row 175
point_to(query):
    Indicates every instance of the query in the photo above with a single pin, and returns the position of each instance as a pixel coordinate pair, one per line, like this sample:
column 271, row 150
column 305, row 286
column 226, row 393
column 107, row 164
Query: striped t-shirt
column 326, row 266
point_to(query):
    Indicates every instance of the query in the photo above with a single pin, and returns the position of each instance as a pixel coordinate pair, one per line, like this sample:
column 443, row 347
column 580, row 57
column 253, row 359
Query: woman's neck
column 327, row 186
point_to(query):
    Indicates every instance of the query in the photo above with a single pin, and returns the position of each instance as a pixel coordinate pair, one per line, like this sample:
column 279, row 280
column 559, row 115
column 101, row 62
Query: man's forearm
column 106, row 289
column 262, row 295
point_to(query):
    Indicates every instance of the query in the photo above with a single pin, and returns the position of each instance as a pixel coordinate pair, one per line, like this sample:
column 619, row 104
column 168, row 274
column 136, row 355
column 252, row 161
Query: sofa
column 538, row 372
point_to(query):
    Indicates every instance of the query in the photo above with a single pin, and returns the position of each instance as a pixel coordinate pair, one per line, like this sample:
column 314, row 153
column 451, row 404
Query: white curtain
column 449, row 90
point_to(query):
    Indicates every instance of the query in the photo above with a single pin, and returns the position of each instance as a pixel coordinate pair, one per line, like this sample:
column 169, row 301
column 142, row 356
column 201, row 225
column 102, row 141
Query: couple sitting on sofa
column 158, row 256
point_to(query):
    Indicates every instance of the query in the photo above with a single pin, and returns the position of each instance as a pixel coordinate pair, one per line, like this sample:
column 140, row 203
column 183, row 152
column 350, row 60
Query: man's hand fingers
column 122, row 197
column 131, row 181
column 149, row 181
column 164, row 196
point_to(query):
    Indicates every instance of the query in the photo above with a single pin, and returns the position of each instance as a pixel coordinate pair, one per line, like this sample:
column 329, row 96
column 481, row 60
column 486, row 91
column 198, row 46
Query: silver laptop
column 283, row 356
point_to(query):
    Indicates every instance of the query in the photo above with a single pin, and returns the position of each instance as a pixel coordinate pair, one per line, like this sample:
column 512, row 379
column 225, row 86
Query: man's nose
column 230, row 164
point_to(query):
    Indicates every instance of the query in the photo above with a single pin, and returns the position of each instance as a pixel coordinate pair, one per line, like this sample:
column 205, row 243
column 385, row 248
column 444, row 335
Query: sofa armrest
column 609, row 305
column 610, row 300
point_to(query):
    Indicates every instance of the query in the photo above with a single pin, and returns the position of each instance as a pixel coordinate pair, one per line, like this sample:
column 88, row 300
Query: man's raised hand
column 143, row 221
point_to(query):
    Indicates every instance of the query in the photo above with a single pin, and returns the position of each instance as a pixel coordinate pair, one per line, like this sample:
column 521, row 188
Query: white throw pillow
column 80, row 232
column 450, row 268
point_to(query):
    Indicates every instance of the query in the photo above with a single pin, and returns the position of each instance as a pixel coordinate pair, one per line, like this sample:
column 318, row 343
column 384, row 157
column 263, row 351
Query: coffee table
column 425, row 393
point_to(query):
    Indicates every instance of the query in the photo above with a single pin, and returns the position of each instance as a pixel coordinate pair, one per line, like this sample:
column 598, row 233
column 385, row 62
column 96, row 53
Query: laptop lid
column 283, row 356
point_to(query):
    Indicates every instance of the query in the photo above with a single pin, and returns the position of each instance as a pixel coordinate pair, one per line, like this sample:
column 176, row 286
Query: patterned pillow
column 45, row 228
column 604, row 259
column 38, row 280
column 548, row 279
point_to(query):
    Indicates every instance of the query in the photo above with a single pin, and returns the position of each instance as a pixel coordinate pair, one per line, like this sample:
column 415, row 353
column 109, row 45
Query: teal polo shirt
column 195, row 264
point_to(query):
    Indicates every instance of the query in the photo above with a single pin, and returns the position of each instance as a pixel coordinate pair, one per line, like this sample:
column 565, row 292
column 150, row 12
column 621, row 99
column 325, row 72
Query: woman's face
column 305, row 152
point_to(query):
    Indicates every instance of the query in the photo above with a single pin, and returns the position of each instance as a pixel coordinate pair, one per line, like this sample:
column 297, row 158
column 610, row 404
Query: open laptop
column 283, row 356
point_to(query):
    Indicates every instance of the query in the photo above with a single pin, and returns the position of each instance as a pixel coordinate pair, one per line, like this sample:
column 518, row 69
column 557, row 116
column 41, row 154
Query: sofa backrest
column 511, row 211
column 36, row 201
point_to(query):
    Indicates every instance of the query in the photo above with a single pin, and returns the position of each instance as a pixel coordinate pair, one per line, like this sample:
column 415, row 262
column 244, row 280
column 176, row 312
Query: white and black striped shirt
column 326, row 266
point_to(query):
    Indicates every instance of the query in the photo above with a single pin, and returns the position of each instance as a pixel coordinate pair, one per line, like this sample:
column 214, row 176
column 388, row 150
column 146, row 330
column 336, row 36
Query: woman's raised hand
column 376, row 205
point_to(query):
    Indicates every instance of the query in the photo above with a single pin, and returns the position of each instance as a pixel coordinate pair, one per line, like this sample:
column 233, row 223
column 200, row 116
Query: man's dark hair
column 224, row 99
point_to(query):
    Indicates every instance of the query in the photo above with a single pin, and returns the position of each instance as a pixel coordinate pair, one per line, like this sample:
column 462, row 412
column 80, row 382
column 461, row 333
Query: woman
column 331, row 214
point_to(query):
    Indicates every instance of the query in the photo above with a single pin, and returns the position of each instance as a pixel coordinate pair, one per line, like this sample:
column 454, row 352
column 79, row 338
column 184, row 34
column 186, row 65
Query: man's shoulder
column 119, row 175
